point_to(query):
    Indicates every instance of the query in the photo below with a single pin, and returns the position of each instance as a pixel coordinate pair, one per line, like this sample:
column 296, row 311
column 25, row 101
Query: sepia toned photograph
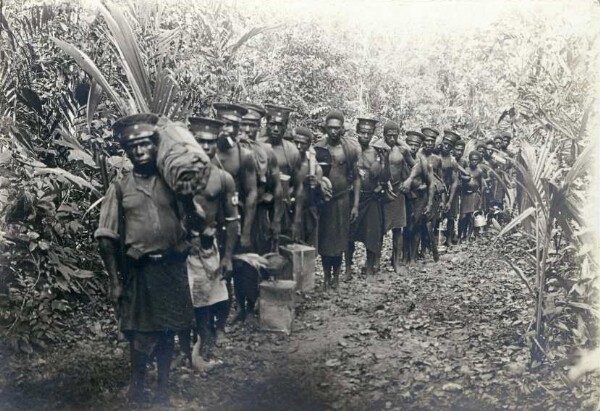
column 299, row 205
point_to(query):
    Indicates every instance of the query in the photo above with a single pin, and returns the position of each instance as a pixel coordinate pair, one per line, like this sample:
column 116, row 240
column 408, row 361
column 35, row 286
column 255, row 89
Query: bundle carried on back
column 260, row 157
column 181, row 161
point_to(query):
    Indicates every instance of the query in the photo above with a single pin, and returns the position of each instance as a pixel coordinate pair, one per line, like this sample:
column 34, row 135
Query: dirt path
column 444, row 335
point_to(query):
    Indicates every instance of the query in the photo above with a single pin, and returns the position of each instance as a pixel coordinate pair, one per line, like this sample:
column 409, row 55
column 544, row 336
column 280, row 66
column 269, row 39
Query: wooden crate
column 301, row 267
column 277, row 305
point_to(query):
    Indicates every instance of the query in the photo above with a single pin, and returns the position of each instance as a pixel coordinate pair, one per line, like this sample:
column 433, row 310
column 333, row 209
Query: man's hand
column 447, row 207
column 405, row 186
column 427, row 210
column 116, row 292
column 245, row 241
column 226, row 267
column 353, row 214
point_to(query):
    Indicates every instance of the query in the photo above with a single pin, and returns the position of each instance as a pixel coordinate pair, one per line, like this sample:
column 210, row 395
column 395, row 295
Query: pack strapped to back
column 260, row 157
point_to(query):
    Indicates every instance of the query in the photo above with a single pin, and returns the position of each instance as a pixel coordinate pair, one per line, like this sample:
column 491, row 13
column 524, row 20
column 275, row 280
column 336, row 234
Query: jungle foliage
column 68, row 70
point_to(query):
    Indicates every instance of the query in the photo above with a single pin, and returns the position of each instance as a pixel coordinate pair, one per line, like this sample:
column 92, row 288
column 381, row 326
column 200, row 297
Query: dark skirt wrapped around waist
column 334, row 226
column 395, row 212
column 469, row 202
column 262, row 234
column 368, row 227
column 156, row 297
column 420, row 204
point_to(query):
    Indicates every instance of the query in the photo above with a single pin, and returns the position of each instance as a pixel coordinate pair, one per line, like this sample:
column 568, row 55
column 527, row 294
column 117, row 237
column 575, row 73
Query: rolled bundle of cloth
column 181, row 161
column 260, row 156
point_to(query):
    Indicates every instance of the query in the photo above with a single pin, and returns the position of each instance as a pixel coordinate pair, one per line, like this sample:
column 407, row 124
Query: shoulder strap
column 121, row 214
column 349, row 170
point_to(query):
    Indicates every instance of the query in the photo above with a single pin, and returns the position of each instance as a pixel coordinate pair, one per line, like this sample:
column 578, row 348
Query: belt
column 161, row 257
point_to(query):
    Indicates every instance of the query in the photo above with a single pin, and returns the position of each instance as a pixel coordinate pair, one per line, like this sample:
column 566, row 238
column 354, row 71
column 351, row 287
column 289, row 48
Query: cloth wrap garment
column 334, row 216
column 207, row 287
column 470, row 199
column 368, row 227
column 395, row 211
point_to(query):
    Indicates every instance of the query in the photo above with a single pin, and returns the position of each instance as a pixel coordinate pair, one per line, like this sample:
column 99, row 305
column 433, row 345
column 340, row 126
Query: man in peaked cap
column 142, row 244
column 266, row 225
column 414, row 140
column 368, row 226
column 239, row 162
column 426, row 207
column 400, row 162
column 431, row 132
column 213, row 240
column 288, row 158
column 336, row 214
column 310, row 192
column 451, row 181
column 269, row 209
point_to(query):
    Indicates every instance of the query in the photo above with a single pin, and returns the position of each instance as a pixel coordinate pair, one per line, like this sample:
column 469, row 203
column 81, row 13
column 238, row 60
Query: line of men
column 170, row 257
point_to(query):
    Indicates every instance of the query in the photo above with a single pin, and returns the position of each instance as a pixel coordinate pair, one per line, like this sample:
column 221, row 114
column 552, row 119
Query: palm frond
column 94, row 98
column 86, row 63
column 125, row 41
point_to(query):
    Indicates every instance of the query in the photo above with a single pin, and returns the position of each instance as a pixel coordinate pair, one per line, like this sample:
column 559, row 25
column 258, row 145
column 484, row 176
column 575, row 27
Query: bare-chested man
column 428, row 170
column 414, row 140
column 395, row 212
column 472, row 183
column 337, row 214
column 213, row 240
column 368, row 226
column 269, row 209
column 450, row 178
column 287, row 156
column 309, row 194
column 238, row 162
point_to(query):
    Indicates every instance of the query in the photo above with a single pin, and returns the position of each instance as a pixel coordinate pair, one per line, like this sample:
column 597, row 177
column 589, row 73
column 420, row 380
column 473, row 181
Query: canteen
column 480, row 220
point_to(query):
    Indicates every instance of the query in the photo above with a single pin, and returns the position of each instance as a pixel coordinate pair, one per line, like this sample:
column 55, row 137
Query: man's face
column 365, row 134
column 499, row 143
column 334, row 128
column 391, row 137
column 209, row 145
column 458, row 152
column 474, row 160
column 446, row 147
column 481, row 150
column 302, row 143
column 428, row 144
column 250, row 128
column 489, row 150
column 414, row 147
column 505, row 142
column 276, row 127
column 230, row 128
column 141, row 152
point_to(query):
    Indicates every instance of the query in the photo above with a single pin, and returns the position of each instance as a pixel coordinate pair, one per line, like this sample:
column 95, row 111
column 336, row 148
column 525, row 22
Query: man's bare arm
column 232, row 222
column 249, row 183
column 109, row 252
column 277, row 194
